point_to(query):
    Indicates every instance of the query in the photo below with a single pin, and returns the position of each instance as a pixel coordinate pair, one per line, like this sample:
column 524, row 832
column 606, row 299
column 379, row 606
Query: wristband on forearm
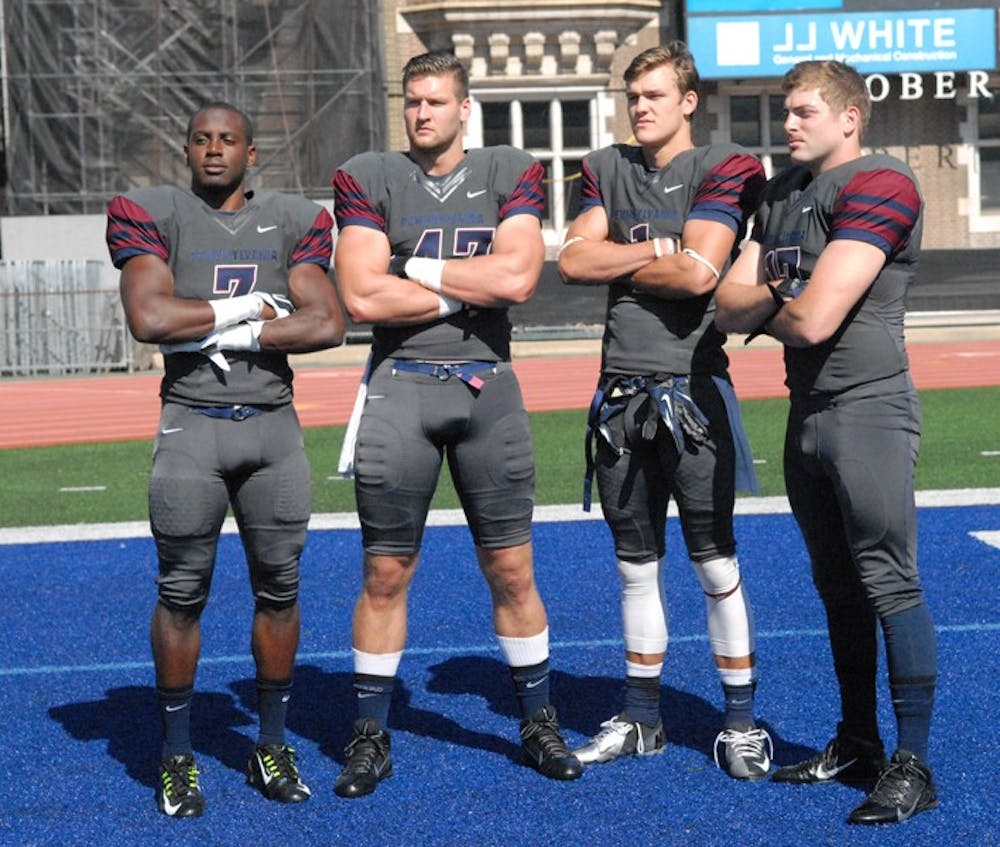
column 779, row 304
column 427, row 272
column 448, row 306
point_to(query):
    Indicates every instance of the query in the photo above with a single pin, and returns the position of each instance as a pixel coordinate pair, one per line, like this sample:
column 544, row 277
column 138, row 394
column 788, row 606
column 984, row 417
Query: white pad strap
column 566, row 244
column 687, row 251
column 345, row 464
column 644, row 612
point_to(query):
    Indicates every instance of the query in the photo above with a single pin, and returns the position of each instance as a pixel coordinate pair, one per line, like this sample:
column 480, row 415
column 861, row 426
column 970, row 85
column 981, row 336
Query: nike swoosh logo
column 535, row 683
column 266, row 228
column 176, row 708
column 670, row 188
column 170, row 808
column 807, row 209
column 823, row 772
column 165, row 431
column 471, row 194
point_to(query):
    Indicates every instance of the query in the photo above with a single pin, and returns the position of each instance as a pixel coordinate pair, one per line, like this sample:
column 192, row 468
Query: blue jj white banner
column 751, row 44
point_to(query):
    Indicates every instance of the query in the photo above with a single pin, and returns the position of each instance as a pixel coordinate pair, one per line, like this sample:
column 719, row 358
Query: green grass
column 959, row 426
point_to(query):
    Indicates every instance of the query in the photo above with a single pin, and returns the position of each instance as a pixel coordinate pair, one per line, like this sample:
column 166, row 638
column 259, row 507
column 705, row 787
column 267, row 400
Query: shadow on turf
column 323, row 710
column 128, row 718
column 583, row 702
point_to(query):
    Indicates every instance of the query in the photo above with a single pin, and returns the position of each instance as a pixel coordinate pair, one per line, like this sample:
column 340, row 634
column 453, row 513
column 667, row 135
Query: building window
column 981, row 133
column 988, row 117
column 756, row 121
column 558, row 131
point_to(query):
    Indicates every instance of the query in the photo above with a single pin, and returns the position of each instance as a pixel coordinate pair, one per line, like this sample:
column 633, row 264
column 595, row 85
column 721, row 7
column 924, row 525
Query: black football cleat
column 179, row 794
column 368, row 760
column 545, row 749
column 845, row 759
column 905, row 788
column 272, row 770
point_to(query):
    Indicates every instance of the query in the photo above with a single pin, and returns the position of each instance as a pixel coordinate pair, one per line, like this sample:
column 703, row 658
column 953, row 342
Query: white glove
column 234, row 310
column 282, row 306
column 215, row 357
column 242, row 337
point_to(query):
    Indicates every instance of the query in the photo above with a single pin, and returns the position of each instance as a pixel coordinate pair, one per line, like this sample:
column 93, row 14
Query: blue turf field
column 79, row 728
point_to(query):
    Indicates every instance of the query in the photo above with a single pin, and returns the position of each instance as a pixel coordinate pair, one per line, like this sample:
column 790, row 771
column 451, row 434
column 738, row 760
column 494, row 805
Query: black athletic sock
column 374, row 696
column 531, row 685
column 739, row 706
column 272, row 706
column 642, row 699
column 911, row 650
column 854, row 644
column 175, row 717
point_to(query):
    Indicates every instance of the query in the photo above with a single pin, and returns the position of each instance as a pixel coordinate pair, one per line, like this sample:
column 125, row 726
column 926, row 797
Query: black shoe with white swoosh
column 905, row 788
column 272, row 770
column 369, row 760
column 845, row 759
column 545, row 749
column 179, row 794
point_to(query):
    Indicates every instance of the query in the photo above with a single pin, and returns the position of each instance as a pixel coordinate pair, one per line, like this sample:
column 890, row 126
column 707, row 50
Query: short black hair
column 226, row 107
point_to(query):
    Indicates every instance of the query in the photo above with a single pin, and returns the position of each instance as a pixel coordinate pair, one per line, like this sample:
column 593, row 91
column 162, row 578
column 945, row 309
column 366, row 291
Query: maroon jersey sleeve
column 316, row 246
column 590, row 191
column 527, row 197
column 878, row 207
column 729, row 191
column 132, row 232
column 352, row 204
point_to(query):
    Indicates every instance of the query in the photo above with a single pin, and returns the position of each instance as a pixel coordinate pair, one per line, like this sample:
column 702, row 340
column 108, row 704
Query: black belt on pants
column 468, row 372
column 229, row 413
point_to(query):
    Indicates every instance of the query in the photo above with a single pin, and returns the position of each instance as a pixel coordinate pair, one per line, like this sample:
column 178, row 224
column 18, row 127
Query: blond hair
column 675, row 55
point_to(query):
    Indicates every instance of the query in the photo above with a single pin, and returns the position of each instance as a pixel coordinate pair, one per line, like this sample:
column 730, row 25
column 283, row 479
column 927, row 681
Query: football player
column 228, row 281
column 660, row 220
column 834, row 247
column 434, row 245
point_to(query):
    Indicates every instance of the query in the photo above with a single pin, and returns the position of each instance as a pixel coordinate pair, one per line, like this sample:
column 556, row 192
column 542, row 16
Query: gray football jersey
column 217, row 254
column 645, row 334
column 874, row 199
column 444, row 217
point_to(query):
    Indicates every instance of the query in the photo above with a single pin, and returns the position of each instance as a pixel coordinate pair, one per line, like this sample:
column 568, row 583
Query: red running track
column 44, row 412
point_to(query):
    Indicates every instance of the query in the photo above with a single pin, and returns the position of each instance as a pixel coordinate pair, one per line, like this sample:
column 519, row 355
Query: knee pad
column 644, row 612
column 730, row 618
column 718, row 577
column 182, row 584
column 277, row 586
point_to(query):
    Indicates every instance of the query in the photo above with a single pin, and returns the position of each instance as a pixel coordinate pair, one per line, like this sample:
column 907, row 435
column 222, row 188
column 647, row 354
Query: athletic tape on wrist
column 448, row 306
column 427, row 272
column 657, row 249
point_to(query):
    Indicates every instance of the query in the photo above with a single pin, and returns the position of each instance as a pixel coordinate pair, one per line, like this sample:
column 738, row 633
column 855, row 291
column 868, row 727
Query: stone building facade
column 545, row 75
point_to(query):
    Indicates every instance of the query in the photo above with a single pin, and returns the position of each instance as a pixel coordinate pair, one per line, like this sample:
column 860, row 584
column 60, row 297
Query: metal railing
column 56, row 319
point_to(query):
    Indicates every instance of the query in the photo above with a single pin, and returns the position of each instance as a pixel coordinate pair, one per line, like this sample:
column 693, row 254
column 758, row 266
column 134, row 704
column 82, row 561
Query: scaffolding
column 96, row 94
